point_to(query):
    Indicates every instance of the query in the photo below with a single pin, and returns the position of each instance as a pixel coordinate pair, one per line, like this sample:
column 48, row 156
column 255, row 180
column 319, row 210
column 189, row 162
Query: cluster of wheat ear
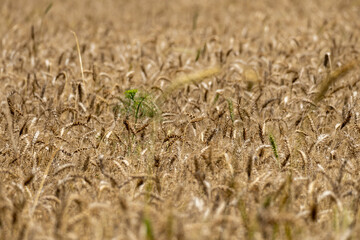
column 179, row 119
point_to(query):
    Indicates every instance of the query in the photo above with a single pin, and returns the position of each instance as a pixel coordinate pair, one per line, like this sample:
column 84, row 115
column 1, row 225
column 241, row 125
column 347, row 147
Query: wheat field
column 179, row 119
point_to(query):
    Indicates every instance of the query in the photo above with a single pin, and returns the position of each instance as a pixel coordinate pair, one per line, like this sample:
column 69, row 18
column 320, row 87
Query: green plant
column 149, row 229
column 138, row 104
column 273, row 146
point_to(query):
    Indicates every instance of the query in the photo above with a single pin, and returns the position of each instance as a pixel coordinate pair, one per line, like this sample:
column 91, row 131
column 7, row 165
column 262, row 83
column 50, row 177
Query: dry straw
column 79, row 55
column 45, row 174
column 333, row 77
column 193, row 78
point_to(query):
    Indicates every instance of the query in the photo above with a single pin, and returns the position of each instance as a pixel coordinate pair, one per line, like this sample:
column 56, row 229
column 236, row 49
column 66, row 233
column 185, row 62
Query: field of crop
column 179, row 119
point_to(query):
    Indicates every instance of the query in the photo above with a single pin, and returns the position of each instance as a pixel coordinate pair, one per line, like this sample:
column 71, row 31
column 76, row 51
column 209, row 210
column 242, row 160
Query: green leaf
column 149, row 230
column 48, row 8
column 231, row 109
column 273, row 145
